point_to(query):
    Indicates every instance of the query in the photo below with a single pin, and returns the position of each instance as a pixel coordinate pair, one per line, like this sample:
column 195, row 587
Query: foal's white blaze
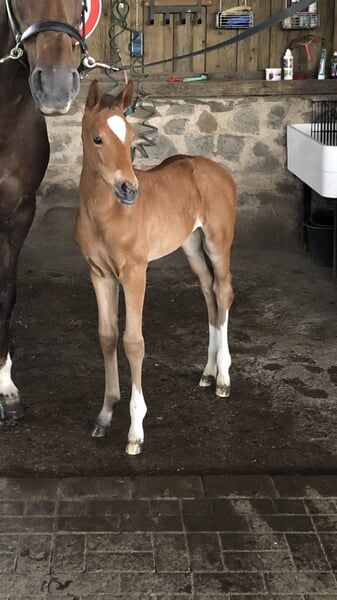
column 118, row 127
column 223, row 357
column 7, row 387
column 138, row 411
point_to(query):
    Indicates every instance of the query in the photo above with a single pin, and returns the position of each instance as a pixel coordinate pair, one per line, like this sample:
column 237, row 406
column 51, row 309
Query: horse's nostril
column 76, row 81
column 37, row 79
column 126, row 192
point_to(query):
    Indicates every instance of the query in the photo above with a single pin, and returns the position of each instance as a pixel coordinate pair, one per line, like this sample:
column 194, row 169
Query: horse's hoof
column 223, row 391
column 11, row 415
column 134, row 448
column 206, row 381
column 98, row 431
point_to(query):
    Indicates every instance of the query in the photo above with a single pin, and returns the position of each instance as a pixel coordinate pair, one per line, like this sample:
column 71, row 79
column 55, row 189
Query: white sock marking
column 7, row 387
column 118, row 127
column 223, row 358
column 138, row 411
column 213, row 345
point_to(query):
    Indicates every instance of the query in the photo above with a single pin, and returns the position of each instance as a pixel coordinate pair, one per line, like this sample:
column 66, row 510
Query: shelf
column 215, row 87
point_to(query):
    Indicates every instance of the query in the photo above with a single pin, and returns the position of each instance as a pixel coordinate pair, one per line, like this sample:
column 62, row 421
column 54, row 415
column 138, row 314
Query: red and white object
column 92, row 16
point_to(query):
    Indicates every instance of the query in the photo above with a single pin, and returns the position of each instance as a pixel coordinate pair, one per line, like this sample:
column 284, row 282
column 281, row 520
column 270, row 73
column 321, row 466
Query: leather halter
column 42, row 26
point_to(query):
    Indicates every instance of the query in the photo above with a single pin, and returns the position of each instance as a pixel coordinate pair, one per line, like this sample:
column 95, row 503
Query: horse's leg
column 196, row 257
column 106, row 290
column 13, row 231
column 134, row 283
column 218, row 250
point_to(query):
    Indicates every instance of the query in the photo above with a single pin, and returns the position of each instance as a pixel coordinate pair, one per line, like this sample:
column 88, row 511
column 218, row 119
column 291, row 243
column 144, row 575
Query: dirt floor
column 282, row 414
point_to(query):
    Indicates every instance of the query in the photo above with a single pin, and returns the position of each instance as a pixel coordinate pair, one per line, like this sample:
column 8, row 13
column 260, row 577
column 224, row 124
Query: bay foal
column 128, row 218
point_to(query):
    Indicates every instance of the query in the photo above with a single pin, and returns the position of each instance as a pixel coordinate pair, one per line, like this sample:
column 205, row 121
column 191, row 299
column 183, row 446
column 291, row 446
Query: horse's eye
column 98, row 140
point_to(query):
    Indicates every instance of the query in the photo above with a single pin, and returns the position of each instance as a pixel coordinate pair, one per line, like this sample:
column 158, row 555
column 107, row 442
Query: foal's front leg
column 134, row 283
column 106, row 289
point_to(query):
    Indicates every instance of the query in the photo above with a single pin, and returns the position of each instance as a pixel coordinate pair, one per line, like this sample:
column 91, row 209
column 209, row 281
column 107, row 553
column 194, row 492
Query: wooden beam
column 160, row 88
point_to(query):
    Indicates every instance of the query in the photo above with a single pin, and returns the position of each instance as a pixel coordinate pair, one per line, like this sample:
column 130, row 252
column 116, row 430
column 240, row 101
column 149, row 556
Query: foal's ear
column 124, row 99
column 94, row 95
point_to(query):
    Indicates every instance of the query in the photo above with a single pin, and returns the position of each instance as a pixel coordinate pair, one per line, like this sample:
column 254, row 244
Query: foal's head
column 54, row 80
column 107, row 138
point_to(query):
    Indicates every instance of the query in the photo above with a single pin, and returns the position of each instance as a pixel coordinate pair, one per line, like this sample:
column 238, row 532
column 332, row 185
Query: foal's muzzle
column 126, row 192
column 54, row 89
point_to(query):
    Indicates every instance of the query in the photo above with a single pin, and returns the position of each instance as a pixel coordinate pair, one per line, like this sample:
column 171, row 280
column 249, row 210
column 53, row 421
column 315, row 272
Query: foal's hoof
column 98, row 431
column 11, row 415
column 134, row 448
column 206, row 381
column 223, row 391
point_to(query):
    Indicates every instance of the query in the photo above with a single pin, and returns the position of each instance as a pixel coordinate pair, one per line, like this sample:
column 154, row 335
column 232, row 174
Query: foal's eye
column 98, row 140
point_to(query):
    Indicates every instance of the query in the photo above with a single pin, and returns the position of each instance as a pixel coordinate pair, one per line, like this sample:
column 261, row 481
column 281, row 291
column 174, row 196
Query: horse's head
column 54, row 80
column 107, row 139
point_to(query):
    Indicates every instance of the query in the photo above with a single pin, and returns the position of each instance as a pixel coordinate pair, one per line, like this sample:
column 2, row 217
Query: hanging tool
column 176, row 7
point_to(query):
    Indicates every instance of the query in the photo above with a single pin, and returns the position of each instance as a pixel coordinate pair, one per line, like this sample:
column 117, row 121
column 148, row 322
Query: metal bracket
column 176, row 8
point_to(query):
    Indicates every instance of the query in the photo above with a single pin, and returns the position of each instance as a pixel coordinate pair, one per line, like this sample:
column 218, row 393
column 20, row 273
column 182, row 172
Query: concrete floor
column 282, row 414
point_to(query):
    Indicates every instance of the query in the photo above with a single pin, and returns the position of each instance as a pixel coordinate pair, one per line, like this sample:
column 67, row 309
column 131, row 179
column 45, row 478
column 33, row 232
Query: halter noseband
column 42, row 26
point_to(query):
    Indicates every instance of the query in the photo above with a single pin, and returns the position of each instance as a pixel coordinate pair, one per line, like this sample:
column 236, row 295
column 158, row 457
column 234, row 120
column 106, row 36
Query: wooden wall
column 244, row 60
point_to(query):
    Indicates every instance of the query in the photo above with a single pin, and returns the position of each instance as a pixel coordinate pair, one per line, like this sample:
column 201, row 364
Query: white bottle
column 288, row 65
column 312, row 9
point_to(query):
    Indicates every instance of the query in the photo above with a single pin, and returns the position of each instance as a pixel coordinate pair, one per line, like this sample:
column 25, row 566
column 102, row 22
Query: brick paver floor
column 169, row 538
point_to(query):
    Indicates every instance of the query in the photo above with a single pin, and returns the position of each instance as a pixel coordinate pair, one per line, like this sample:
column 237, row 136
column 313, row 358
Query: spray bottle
column 333, row 68
column 288, row 65
column 322, row 64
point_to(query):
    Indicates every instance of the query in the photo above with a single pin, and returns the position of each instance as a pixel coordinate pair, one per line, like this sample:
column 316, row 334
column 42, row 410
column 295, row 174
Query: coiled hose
column 119, row 13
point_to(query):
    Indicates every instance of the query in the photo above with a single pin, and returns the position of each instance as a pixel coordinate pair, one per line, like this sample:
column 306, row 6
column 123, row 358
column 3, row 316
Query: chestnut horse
column 128, row 218
column 37, row 75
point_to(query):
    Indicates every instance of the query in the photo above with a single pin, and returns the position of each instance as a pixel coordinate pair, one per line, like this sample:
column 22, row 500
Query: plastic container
column 320, row 233
column 273, row 74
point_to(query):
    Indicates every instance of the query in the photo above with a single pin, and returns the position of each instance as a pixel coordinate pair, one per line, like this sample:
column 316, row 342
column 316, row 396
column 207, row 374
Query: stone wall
column 248, row 136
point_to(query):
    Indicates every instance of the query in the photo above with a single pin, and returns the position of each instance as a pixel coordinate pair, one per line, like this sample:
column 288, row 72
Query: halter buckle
column 16, row 52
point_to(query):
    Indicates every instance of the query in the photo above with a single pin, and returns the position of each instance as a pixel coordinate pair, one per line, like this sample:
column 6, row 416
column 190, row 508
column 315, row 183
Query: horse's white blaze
column 138, row 411
column 7, row 387
column 223, row 357
column 118, row 127
column 213, row 345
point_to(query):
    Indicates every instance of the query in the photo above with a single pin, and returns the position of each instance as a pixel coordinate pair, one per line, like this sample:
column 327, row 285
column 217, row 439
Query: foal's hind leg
column 196, row 258
column 218, row 251
column 106, row 289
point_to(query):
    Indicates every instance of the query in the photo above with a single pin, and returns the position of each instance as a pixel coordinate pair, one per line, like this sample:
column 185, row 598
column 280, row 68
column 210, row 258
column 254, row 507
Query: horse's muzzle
column 126, row 192
column 54, row 89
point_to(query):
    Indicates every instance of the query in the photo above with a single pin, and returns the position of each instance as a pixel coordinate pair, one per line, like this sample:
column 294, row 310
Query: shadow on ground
column 281, row 416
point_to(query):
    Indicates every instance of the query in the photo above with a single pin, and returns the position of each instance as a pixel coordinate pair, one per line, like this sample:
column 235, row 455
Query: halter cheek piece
column 42, row 26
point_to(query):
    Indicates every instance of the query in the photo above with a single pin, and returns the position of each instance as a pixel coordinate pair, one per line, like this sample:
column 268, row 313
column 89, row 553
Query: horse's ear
column 124, row 99
column 94, row 95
